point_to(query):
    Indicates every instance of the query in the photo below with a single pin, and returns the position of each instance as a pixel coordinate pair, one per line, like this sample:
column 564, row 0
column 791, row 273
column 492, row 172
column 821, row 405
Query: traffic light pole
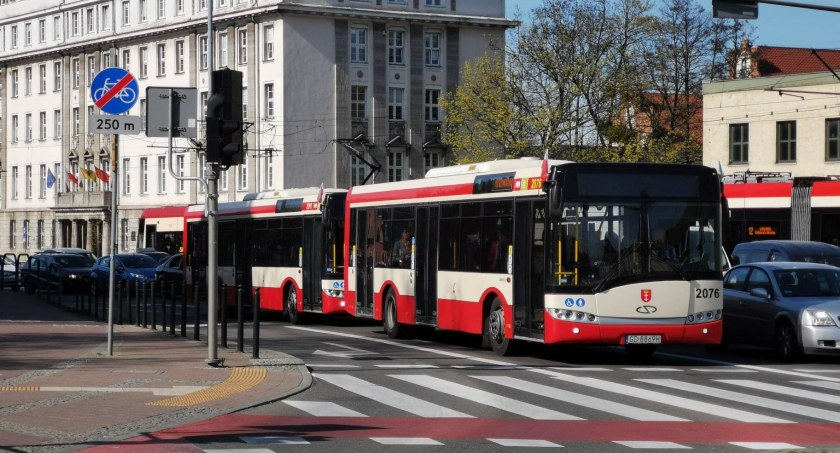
column 212, row 176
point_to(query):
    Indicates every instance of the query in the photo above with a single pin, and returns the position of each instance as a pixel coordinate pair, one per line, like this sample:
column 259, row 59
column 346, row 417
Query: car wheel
column 787, row 343
column 494, row 330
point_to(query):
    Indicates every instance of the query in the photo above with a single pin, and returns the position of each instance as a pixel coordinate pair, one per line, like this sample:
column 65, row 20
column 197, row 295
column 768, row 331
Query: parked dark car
column 128, row 267
column 779, row 250
column 156, row 254
column 792, row 307
column 170, row 269
column 71, row 250
column 9, row 277
column 64, row 271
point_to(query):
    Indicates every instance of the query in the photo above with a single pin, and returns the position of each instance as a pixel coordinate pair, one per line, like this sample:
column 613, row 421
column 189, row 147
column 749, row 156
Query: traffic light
column 224, row 118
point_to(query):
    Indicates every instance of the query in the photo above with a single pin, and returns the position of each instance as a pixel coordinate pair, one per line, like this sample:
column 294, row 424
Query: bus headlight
column 572, row 315
column 704, row 316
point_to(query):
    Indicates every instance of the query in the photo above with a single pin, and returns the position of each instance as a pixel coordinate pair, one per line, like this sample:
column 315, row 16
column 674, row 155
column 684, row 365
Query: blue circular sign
column 114, row 90
column 570, row 302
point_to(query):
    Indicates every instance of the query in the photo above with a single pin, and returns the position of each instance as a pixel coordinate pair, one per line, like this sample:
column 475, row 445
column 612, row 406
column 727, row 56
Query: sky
column 781, row 26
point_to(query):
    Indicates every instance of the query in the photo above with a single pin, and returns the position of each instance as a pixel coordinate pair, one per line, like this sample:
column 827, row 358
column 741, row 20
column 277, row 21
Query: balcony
column 84, row 200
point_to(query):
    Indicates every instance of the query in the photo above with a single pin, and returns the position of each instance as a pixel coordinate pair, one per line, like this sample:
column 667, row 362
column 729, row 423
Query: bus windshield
column 596, row 247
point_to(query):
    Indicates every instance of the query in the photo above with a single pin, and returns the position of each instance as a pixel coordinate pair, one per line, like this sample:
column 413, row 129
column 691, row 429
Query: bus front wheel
column 494, row 330
column 291, row 305
column 389, row 318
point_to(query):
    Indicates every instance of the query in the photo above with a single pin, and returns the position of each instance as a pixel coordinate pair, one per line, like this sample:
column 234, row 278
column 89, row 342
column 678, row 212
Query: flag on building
column 72, row 178
column 50, row 179
column 102, row 174
column 89, row 175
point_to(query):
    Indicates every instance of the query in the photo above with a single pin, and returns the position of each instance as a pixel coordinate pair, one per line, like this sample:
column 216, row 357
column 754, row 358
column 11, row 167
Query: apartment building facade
column 335, row 92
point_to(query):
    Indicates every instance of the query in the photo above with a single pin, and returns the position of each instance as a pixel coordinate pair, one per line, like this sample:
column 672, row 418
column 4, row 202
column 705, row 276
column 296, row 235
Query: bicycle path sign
column 114, row 90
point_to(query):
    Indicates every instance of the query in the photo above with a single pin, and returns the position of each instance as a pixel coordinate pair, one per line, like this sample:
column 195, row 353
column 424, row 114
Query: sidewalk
column 60, row 391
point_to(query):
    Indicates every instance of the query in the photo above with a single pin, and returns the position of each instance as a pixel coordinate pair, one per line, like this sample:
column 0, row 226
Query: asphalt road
column 437, row 391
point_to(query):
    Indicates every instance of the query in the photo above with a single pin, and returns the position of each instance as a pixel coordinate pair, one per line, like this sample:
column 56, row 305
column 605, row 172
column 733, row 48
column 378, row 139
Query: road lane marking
column 389, row 397
column 789, row 391
column 324, row 409
column 486, row 398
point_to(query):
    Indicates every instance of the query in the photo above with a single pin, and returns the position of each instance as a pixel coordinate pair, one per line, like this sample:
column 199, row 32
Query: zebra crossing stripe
column 405, row 441
column 389, row 397
column 671, row 400
column 789, row 391
column 483, row 397
column 747, row 399
column 766, row 445
column 647, row 444
column 527, row 443
column 591, row 402
column 324, row 409
column 821, row 384
column 281, row 440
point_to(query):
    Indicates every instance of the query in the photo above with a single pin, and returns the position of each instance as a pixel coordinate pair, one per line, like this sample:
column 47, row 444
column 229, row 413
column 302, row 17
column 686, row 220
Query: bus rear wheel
column 291, row 306
column 389, row 316
column 494, row 330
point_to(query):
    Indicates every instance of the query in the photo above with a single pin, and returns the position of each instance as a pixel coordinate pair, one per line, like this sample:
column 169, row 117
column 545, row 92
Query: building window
column 42, row 30
column 15, row 86
column 358, row 44
column 14, row 35
column 106, row 17
column 269, row 100
column 245, row 103
column 358, row 170
column 57, row 124
column 223, row 50
column 786, row 141
column 126, row 13
column 40, row 234
column 162, row 174
column 42, row 126
column 396, row 47
column 14, row 128
column 143, row 114
column 144, row 62
column 432, row 106
column 42, row 178
column 437, row 3
column 91, row 70
column 243, row 176
column 25, row 236
column 269, row 170
column 161, row 60
column 90, row 18
column 75, row 122
column 42, row 78
column 202, row 53
column 179, row 57
column 124, row 233
column 395, row 103
column 56, row 28
column 179, row 7
column 77, row 69
column 268, row 42
column 15, row 182
column 202, row 5
column 832, row 139
column 161, row 9
column 179, row 167
column 57, row 76
column 106, row 60
column 242, row 36
column 143, row 11
column 358, row 101
column 144, row 176
column 432, row 48
column 223, row 181
column 126, row 176
column 396, row 165
column 74, row 24
column 27, row 188
column 28, row 127
column 12, row 233
column 27, row 87
column 432, row 159
column 126, row 59
column 27, row 34
column 739, row 143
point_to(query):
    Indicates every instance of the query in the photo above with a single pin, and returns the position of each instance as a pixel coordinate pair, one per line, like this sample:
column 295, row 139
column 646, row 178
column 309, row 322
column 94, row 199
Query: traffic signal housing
column 224, row 118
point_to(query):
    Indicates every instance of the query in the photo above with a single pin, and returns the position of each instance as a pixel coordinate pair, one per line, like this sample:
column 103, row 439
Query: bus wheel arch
column 493, row 330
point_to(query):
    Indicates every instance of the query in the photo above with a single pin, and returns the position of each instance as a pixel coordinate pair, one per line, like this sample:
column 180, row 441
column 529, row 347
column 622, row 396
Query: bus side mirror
column 552, row 189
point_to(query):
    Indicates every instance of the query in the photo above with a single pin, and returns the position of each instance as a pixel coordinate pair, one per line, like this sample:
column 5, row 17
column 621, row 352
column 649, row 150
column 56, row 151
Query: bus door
column 313, row 263
column 529, row 269
column 364, row 241
column 425, row 255
column 243, row 257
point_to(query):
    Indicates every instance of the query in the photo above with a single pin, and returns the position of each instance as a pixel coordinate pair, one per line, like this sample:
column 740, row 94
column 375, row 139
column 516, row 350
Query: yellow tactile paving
column 19, row 388
column 240, row 380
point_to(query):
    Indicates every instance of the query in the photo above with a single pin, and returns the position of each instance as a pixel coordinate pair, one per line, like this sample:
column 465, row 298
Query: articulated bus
column 287, row 243
column 544, row 251
column 778, row 206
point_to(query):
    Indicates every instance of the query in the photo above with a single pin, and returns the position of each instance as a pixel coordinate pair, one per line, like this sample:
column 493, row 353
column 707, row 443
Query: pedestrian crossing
column 550, row 395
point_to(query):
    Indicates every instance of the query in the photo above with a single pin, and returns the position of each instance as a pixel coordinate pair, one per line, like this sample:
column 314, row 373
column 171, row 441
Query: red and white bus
column 778, row 206
column 543, row 251
column 288, row 243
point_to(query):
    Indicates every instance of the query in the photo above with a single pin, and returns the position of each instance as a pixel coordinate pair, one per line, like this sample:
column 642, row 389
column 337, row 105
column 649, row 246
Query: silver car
column 792, row 307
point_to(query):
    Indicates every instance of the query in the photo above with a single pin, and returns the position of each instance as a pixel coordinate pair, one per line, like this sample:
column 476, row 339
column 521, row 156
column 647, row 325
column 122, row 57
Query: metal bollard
column 137, row 303
column 240, row 323
column 128, row 298
column 197, row 311
column 154, row 304
column 172, row 308
column 183, row 292
column 255, row 354
column 118, row 298
column 223, row 306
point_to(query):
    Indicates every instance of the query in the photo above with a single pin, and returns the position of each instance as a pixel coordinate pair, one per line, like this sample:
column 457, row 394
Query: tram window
column 496, row 239
column 471, row 210
column 493, row 208
column 470, row 245
column 449, row 245
column 227, row 248
column 450, row 210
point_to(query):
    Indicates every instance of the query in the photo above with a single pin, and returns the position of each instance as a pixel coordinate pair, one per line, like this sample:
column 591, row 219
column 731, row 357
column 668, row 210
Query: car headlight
column 821, row 318
column 140, row 277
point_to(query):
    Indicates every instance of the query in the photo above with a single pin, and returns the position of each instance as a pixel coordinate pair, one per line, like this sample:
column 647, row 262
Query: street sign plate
column 184, row 108
column 114, row 90
column 114, row 124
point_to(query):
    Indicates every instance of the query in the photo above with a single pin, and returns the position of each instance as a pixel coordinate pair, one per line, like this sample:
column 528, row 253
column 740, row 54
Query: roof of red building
column 790, row 60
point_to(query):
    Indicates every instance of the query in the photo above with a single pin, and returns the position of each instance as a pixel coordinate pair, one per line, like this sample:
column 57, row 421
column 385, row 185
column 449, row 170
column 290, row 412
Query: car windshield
column 72, row 261
column 137, row 261
column 808, row 282
column 833, row 260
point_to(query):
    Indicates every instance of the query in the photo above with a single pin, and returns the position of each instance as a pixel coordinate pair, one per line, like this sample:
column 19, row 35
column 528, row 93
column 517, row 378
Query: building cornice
column 391, row 15
column 775, row 82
